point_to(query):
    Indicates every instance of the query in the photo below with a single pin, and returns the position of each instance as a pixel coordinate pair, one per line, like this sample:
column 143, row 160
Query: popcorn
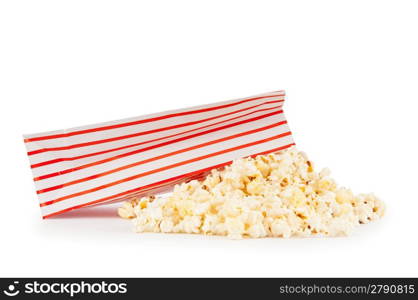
column 274, row 195
column 126, row 211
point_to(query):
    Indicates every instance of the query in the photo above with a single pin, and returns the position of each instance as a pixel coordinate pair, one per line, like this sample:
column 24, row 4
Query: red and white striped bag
column 113, row 161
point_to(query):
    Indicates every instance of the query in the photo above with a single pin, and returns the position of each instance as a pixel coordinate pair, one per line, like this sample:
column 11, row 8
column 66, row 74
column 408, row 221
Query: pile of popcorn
column 275, row 195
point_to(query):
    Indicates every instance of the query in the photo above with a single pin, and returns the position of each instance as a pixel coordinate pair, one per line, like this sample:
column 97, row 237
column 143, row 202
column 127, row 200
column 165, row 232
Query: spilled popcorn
column 275, row 195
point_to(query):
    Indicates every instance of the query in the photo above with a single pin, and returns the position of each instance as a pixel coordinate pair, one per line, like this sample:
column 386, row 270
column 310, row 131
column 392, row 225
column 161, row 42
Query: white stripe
column 147, row 154
column 106, row 134
column 154, row 124
column 156, row 164
column 166, row 174
column 126, row 142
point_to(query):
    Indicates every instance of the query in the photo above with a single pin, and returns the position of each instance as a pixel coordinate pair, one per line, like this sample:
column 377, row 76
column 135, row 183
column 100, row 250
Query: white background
column 350, row 69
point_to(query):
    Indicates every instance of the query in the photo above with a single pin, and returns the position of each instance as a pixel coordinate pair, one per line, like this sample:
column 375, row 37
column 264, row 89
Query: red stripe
column 123, row 137
column 95, row 189
column 132, row 191
column 95, row 176
column 68, row 134
column 42, row 177
column 157, row 139
column 156, row 189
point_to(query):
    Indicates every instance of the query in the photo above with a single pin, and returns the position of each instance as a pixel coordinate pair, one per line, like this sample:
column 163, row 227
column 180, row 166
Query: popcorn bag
column 146, row 155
